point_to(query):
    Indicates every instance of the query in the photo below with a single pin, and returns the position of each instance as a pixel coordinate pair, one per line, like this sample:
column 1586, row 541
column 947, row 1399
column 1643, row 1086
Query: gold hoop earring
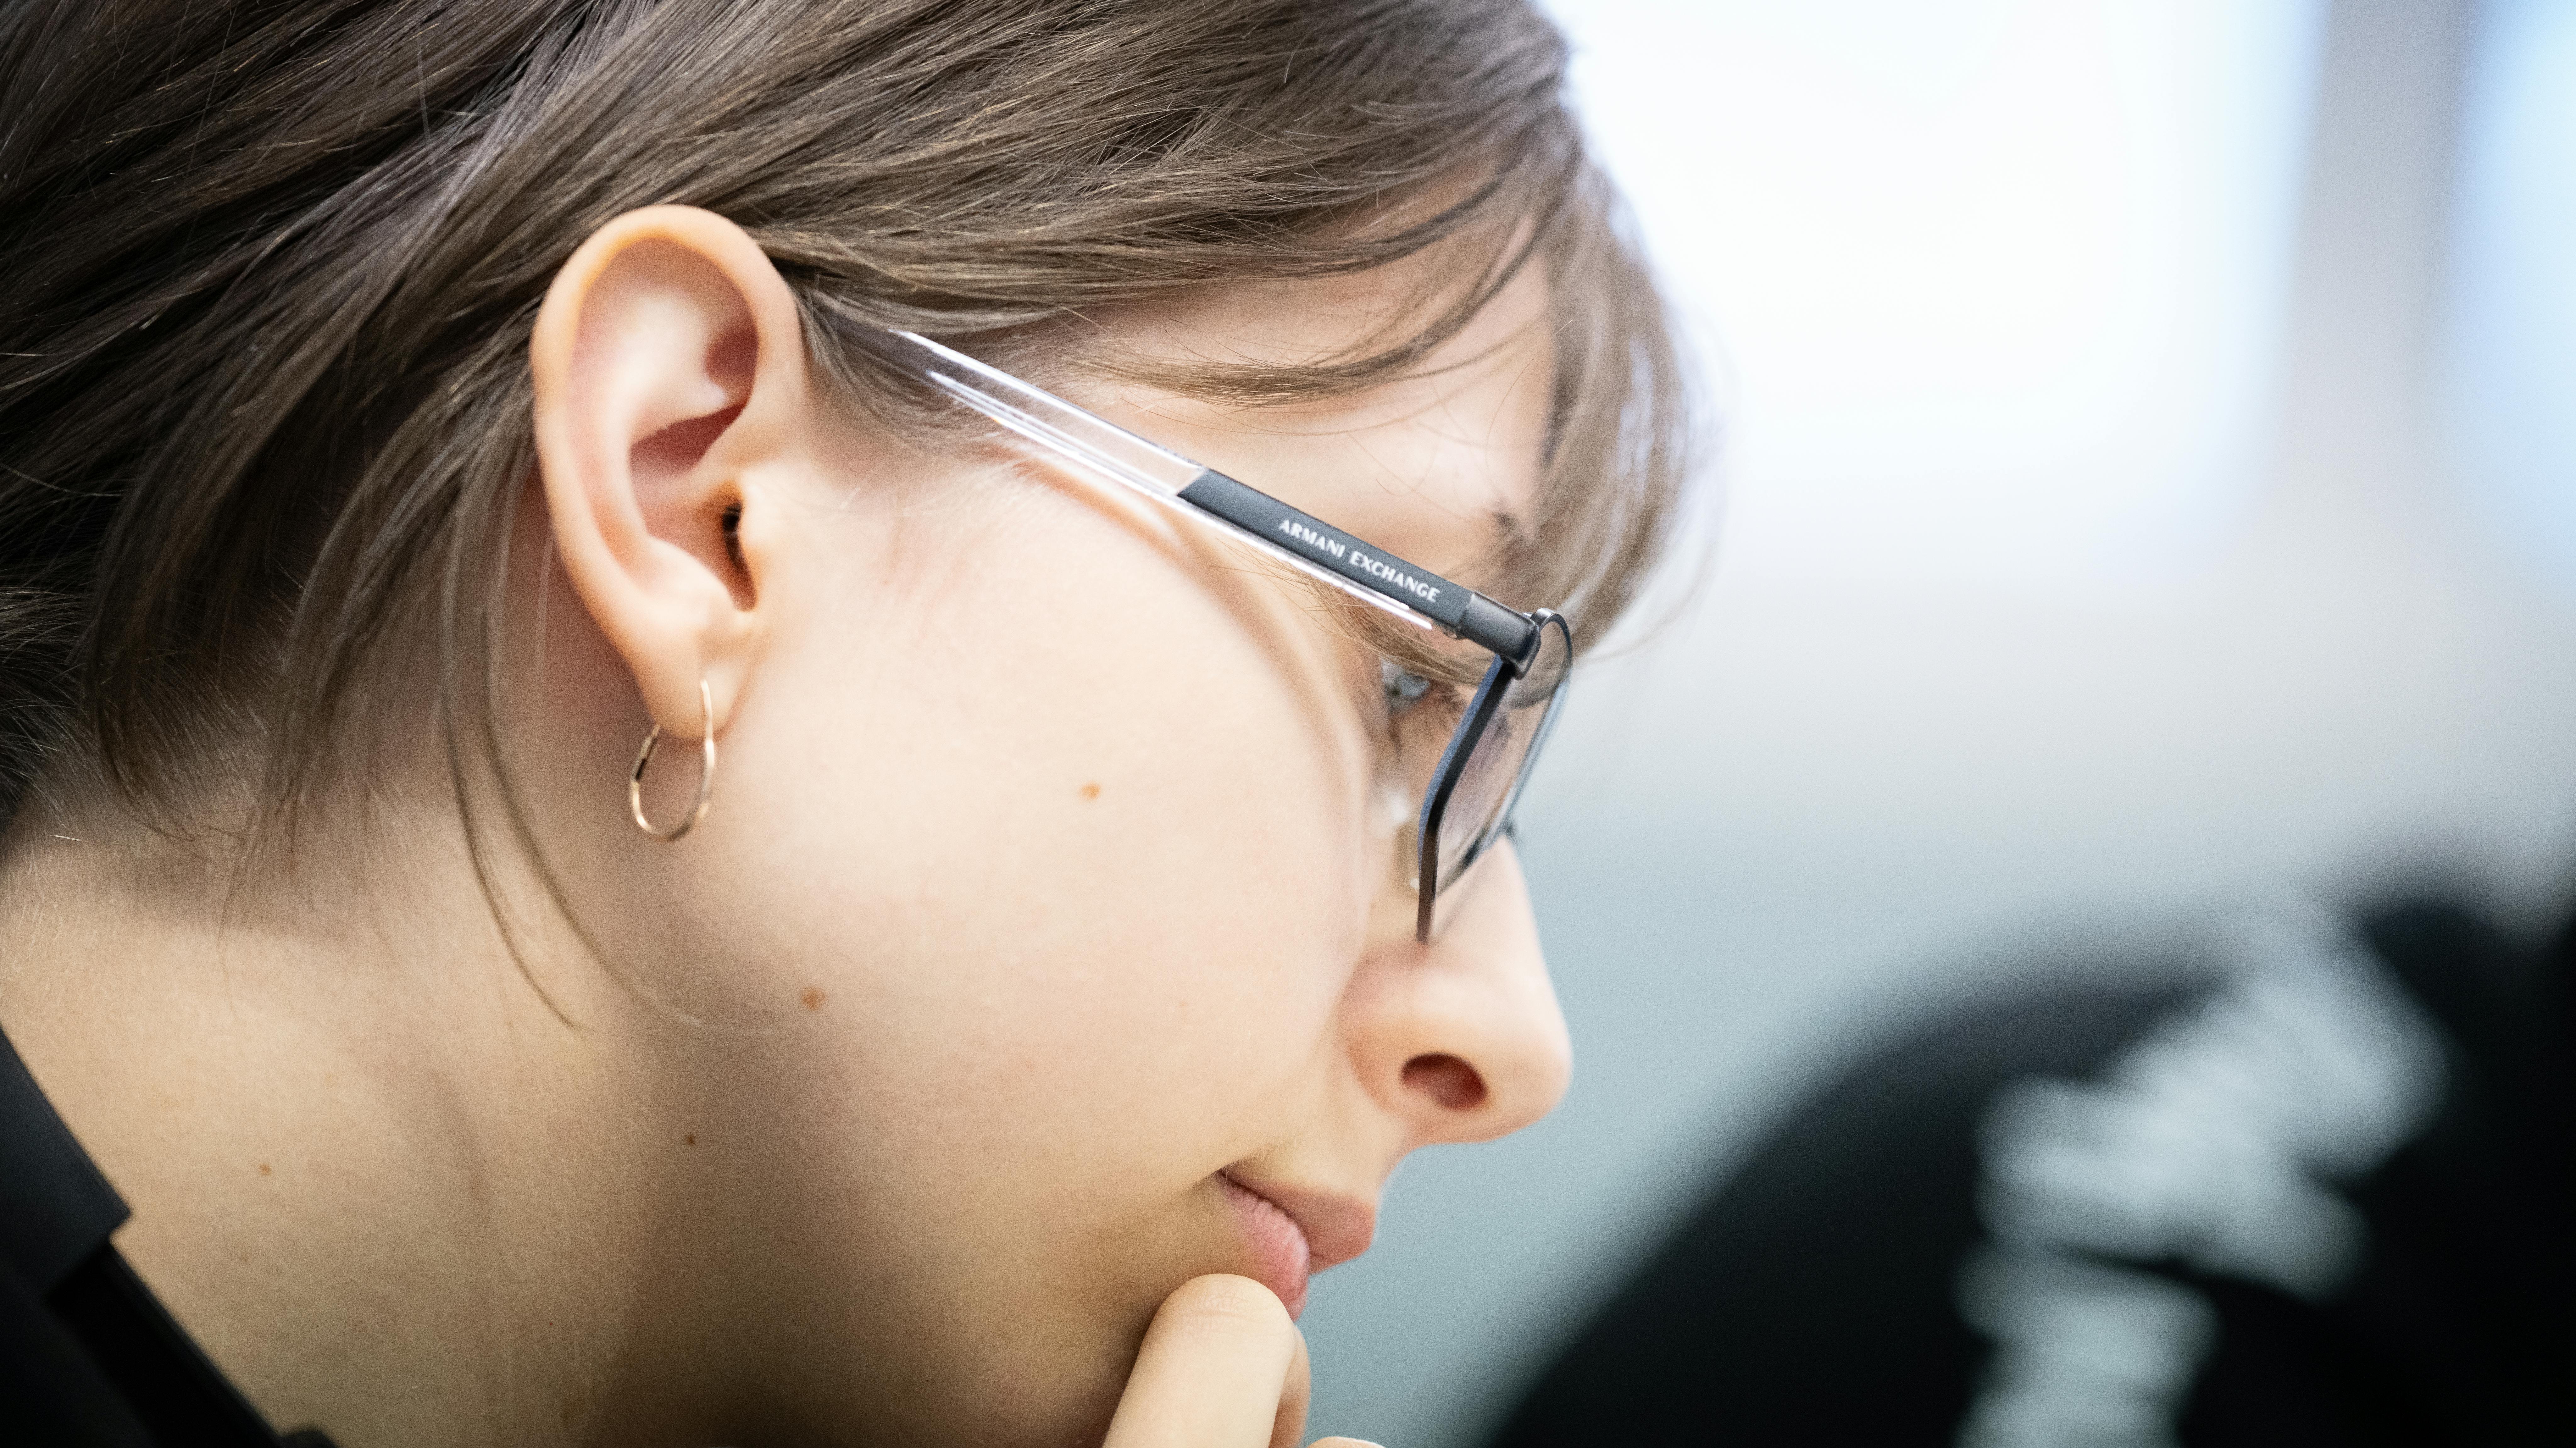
column 706, row 773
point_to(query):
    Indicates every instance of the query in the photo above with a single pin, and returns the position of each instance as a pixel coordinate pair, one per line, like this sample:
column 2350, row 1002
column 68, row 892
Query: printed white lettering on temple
column 1400, row 579
column 1309, row 536
column 1365, row 563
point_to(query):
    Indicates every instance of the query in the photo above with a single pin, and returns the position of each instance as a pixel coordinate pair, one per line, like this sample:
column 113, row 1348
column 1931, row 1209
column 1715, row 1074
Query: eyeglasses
column 1469, row 793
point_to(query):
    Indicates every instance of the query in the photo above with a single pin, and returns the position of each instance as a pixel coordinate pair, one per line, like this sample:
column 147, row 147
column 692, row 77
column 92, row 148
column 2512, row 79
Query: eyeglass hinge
column 1507, row 632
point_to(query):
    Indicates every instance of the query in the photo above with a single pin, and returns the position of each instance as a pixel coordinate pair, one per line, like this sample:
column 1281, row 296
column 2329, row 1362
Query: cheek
column 1070, row 861
column 1069, row 871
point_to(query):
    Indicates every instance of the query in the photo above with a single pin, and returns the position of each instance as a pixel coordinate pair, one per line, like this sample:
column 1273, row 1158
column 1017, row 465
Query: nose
column 1461, row 1039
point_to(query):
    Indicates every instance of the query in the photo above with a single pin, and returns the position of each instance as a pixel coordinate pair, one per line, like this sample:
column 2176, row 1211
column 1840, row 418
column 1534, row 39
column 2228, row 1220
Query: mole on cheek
column 813, row 998
column 1091, row 791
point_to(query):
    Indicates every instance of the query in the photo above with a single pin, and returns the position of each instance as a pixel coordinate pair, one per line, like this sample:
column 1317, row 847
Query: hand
column 1222, row 1367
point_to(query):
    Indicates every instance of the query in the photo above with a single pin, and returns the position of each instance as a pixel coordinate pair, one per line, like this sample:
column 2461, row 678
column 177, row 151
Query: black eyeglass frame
column 1070, row 433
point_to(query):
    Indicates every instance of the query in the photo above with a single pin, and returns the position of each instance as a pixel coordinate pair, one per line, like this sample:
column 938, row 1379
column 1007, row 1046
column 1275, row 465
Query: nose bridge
column 1461, row 1038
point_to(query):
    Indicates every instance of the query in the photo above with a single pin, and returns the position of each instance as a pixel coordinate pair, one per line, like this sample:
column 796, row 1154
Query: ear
column 670, row 381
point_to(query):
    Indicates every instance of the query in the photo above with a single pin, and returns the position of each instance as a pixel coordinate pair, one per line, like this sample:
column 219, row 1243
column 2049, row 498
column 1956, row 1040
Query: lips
column 1294, row 1233
column 1280, row 1253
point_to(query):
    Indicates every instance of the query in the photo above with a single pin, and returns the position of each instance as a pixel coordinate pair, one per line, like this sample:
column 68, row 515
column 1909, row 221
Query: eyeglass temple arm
column 1460, row 610
column 1299, row 538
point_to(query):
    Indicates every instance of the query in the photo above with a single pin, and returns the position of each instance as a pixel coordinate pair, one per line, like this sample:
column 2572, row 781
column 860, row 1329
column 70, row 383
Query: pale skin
column 1049, row 885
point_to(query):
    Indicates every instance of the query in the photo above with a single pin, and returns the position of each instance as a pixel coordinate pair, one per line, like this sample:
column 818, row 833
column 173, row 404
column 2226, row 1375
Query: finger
column 1290, row 1425
column 1213, row 1372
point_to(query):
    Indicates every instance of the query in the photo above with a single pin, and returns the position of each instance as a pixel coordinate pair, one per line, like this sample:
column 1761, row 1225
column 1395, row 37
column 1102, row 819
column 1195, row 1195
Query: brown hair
column 267, row 272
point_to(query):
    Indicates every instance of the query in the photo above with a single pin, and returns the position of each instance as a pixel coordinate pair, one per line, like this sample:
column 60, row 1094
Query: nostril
column 1451, row 1082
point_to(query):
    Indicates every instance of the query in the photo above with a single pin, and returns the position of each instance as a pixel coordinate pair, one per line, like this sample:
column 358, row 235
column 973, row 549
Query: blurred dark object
column 2320, row 1194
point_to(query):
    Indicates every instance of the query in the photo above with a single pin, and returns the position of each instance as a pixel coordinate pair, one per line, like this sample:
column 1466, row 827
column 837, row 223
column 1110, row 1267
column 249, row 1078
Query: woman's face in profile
column 1051, row 910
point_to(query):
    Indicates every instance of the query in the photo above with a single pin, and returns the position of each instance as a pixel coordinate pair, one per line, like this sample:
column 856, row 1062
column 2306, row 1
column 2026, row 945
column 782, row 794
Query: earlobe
column 669, row 377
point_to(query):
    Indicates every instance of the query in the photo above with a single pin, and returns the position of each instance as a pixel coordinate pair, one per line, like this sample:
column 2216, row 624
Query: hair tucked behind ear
column 267, row 272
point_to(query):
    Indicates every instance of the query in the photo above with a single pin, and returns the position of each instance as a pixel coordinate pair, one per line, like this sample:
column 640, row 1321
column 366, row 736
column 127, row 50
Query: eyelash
column 1406, row 692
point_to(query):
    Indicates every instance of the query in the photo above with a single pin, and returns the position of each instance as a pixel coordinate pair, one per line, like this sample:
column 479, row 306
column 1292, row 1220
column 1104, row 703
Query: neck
column 382, row 1181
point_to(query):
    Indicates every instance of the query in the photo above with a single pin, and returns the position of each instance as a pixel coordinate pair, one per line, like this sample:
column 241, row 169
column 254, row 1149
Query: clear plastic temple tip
column 1050, row 421
column 1102, row 447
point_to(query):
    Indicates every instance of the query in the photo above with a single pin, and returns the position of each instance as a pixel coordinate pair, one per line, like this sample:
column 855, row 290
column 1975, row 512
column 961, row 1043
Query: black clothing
column 88, row 1356
column 2321, row 1200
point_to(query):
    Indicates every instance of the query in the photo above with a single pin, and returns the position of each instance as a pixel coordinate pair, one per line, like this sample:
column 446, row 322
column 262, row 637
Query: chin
column 1056, row 1415
column 1022, row 1394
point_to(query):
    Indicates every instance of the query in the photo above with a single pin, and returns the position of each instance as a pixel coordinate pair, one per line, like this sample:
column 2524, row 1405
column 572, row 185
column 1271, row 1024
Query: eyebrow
column 1305, row 542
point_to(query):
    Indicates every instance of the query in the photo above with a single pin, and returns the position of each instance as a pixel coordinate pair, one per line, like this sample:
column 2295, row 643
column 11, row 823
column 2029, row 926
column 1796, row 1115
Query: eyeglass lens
column 1489, row 783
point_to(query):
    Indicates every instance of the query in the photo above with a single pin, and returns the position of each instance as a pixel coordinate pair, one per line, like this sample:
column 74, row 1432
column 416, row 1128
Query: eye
column 1420, row 708
column 1404, row 688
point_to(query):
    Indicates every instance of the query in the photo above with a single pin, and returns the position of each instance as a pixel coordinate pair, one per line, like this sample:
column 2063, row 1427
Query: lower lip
column 1279, row 1248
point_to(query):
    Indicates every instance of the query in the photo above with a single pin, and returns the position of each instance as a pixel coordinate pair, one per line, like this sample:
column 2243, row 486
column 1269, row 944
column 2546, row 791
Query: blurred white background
column 2152, row 473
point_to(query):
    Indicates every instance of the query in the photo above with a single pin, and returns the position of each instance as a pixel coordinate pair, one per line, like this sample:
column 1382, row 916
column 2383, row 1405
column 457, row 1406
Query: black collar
column 87, row 1354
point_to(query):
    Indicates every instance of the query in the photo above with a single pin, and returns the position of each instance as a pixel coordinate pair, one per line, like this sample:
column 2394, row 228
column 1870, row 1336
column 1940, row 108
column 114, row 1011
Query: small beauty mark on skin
column 1091, row 791
column 813, row 998
column 689, row 1140
column 263, row 1168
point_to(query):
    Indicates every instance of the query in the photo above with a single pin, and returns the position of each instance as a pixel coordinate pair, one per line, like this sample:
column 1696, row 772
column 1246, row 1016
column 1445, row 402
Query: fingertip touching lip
column 1327, row 1228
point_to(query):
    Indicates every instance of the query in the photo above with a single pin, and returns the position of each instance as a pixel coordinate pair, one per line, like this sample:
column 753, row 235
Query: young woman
column 773, row 722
